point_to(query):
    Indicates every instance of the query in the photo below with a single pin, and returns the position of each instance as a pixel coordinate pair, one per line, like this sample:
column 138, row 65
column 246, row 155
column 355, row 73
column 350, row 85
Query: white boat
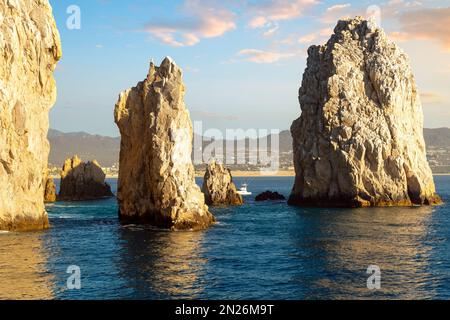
column 243, row 190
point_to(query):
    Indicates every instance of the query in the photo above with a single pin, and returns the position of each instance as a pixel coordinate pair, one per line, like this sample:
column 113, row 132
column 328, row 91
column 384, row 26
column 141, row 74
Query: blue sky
column 242, row 60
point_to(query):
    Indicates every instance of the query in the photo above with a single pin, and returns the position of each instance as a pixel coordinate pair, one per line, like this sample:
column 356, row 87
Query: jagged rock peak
column 156, row 177
column 359, row 139
column 218, row 186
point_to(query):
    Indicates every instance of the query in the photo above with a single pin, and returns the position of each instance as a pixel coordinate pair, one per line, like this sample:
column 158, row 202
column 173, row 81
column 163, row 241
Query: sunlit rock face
column 156, row 179
column 82, row 181
column 50, row 191
column 218, row 186
column 359, row 140
column 29, row 49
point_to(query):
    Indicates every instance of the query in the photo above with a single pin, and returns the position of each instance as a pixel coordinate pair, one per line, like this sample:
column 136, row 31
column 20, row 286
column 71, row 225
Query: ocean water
column 257, row 251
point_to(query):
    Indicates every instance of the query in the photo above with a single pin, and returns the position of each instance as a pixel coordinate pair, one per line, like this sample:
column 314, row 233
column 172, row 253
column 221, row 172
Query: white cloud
column 336, row 12
column 338, row 7
column 203, row 114
column 273, row 27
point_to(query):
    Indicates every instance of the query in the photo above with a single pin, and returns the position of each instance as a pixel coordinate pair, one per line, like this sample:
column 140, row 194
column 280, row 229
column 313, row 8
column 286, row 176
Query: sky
column 243, row 61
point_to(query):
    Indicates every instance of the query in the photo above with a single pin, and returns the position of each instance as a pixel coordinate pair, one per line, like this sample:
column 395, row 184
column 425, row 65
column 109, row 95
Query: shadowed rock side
column 82, row 181
column 156, row 179
column 359, row 140
column 50, row 191
column 29, row 49
column 218, row 186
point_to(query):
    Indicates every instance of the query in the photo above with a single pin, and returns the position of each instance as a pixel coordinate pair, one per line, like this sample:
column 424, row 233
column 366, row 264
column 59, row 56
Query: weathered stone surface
column 50, row 191
column 156, row 178
column 218, row 186
column 359, row 140
column 29, row 49
column 269, row 195
column 83, row 181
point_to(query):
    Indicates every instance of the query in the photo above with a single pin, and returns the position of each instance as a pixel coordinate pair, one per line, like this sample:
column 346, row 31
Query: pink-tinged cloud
column 307, row 39
column 318, row 37
column 427, row 24
column 397, row 36
column 201, row 19
column 262, row 56
column 432, row 98
column 278, row 10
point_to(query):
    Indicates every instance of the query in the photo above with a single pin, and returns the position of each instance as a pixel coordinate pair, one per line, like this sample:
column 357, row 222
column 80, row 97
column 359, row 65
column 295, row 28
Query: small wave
column 3, row 232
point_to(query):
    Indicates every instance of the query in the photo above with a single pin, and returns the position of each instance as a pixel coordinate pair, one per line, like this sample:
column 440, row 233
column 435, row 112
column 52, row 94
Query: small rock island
column 359, row 140
column 82, row 181
column 50, row 191
column 156, row 179
column 218, row 186
column 269, row 195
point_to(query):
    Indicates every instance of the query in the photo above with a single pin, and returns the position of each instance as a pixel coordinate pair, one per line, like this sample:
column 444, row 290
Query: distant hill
column 89, row 147
column 106, row 149
column 439, row 137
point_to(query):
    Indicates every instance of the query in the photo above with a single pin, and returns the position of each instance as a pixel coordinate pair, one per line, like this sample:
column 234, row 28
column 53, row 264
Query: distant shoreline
column 258, row 173
column 238, row 173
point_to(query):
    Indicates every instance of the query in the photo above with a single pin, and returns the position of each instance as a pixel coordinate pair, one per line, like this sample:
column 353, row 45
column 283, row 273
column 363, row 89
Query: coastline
column 239, row 173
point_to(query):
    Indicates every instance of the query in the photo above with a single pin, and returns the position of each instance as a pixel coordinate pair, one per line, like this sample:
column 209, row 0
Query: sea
column 261, row 250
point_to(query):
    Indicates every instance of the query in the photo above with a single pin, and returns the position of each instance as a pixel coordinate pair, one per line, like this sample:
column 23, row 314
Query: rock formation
column 269, row 195
column 156, row 178
column 359, row 140
column 50, row 191
column 83, row 181
column 218, row 186
column 29, row 50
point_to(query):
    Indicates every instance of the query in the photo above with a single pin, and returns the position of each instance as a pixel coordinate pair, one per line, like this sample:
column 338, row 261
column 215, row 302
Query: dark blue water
column 257, row 251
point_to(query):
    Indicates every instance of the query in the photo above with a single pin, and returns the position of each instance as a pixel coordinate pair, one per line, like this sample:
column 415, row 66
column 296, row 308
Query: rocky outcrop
column 269, row 195
column 82, row 181
column 50, row 191
column 156, row 178
column 29, row 50
column 359, row 140
column 218, row 186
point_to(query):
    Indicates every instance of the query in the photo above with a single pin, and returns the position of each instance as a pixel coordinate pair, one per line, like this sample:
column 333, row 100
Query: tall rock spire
column 29, row 49
column 359, row 140
column 156, row 178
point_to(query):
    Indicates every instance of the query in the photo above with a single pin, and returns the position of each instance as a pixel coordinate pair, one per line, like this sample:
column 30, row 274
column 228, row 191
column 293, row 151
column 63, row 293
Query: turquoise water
column 257, row 251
